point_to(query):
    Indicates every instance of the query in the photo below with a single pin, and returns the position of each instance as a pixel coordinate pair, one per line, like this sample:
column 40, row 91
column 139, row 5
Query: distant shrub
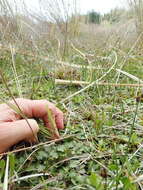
column 94, row 17
column 115, row 15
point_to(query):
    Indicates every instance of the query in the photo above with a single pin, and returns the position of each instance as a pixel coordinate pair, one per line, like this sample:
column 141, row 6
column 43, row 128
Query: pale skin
column 14, row 128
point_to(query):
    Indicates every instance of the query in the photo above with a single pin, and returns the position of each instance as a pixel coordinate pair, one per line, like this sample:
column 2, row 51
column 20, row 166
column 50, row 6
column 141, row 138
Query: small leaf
column 95, row 181
column 113, row 167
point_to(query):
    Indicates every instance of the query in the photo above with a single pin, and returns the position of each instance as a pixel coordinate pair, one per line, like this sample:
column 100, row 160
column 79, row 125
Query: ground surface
column 103, row 125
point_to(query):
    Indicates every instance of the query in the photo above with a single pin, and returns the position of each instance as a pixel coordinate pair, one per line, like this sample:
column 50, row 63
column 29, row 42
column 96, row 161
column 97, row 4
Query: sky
column 102, row 6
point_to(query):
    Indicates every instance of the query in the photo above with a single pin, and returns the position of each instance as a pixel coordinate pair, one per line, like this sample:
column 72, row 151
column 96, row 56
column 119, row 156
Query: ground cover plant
column 101, row 145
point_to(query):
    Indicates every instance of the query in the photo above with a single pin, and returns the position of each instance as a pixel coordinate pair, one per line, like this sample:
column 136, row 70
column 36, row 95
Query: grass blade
column 5, row 185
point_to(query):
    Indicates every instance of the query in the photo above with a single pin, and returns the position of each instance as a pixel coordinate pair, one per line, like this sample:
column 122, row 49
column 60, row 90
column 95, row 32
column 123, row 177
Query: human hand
column 15, row 128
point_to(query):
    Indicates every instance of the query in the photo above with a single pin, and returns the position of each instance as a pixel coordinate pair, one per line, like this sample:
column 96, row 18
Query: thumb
column 14, row 132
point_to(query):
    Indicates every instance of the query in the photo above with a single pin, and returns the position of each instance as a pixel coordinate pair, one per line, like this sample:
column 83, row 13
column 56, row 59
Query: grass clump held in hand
column 52, row 132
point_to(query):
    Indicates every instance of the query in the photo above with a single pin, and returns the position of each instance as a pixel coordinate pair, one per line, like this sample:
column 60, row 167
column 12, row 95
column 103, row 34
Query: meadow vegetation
column 91, row 67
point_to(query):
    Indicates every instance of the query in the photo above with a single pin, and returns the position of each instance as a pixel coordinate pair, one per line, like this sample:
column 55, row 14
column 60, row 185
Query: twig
column 40, row 144
column 77, row 50
column 72, row 82
column 30, row 176
column 69, row 82
column 71, row 158
column 67, row 64
column 130, row 75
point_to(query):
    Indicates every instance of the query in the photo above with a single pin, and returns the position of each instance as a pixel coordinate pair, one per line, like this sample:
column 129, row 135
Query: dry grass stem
column 93, row 83
column 80, row 83
column 48, row 143
column 29, row 177
column 5, row 185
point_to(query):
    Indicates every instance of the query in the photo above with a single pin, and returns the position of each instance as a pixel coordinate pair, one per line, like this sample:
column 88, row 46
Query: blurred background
column 58, row 23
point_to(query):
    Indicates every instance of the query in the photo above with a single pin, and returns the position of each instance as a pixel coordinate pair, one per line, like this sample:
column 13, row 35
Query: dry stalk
column 94, row 82
column 48, row 143
column 78, row 51
column 78, row 83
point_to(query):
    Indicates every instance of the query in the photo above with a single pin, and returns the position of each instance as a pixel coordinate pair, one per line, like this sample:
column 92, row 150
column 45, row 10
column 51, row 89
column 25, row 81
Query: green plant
column 101, row 145
column 94, row 17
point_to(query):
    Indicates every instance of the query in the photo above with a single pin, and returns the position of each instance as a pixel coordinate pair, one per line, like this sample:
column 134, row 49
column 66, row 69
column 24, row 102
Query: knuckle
column 59, row 112
column 33, row 123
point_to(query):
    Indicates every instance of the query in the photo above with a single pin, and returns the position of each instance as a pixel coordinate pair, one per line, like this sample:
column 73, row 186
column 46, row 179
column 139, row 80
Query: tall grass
column 137, row 6
column 8, row 20
column 65, row 15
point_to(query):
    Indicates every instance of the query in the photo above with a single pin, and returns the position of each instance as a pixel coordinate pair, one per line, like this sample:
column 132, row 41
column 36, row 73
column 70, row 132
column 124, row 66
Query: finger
column 59, row 118
column 10, row 111
column 38, row 109
column 14, row 132
column 33, row 108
